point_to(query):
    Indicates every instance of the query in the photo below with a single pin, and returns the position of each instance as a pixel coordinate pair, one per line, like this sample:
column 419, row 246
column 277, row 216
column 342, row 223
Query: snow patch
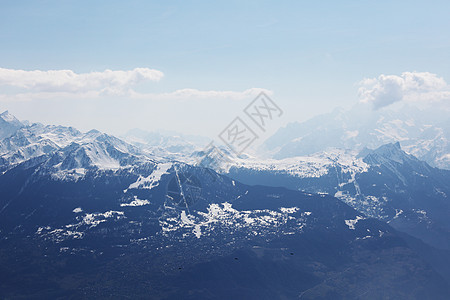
column 351, row 223
column 224, row 215
column 289, row 210
column 136, row 202
column 152, row 180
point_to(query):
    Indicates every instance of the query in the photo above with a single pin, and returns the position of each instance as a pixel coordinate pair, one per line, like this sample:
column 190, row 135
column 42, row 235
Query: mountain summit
column 8, row 124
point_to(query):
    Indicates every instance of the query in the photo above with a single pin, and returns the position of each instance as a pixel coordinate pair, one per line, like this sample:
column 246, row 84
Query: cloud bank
column 409, row 86
column 70, row 82
column 66, row 84
column 186, row 94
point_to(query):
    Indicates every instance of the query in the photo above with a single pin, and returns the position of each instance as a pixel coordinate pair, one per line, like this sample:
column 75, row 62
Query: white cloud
column 67, row 81
column 182, row 94
column 186, row 94
column 66, row 84
column 409, row 86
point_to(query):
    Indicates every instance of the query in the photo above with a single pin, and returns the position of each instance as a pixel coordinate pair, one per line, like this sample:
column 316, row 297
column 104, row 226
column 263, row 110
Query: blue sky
column 310, row 54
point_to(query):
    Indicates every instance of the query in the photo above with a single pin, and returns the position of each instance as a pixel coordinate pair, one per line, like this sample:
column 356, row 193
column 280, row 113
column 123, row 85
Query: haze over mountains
column 337, row 223
column 425, row 132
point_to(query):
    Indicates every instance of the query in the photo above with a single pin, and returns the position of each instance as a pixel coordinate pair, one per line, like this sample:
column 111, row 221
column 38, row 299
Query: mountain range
column 86, row 215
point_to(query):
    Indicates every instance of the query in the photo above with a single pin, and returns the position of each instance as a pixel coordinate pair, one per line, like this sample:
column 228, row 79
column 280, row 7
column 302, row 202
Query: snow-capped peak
column 8, row 124
column 6, row 116
column 63, row 148
column 391, row 151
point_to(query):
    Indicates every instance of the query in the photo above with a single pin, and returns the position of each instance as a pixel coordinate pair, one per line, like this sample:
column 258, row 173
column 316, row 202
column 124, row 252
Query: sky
column 193, row 66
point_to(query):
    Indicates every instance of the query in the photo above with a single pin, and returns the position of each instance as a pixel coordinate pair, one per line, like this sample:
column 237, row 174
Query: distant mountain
column 71, row 148
column 166, row 143
column 89, row 215
column 8, row 125
column 422, row 132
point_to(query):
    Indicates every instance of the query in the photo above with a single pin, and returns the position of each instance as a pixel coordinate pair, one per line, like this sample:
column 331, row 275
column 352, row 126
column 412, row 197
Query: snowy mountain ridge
column 8, row 124
column 314, row 165
column 66, row 150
